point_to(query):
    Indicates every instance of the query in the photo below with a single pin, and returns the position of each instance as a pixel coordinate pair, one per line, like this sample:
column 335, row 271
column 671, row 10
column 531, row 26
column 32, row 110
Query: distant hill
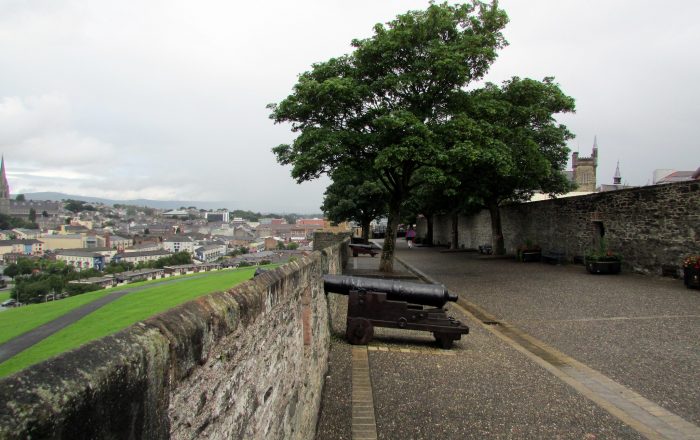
column 159, row 204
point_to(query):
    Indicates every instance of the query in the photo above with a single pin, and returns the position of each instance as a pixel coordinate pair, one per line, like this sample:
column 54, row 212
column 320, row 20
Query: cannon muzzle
column 435, row 295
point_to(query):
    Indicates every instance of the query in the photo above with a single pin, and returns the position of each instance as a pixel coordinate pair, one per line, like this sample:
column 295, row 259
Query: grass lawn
column 20, row 320
column 129, row 309
column 4, row 295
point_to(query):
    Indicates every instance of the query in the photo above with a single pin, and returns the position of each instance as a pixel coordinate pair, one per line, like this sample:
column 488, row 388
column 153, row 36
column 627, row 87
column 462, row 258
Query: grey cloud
column 166, row 99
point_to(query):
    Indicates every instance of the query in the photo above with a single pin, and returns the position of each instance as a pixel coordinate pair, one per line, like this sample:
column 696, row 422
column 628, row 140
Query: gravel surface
column 485, row 390
column 640, row 331
column 482, row 388
column 336, row 407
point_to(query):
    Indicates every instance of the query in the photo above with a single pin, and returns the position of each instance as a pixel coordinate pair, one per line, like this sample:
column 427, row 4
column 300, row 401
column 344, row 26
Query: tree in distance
column 380, row 105
column 355, row 196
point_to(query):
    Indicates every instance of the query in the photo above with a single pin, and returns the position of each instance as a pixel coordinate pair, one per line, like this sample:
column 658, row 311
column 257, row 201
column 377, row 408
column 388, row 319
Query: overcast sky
column 166, row 99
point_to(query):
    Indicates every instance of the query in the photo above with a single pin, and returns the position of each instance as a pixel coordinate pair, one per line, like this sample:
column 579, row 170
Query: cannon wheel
column 359, row 331
column 443, row 340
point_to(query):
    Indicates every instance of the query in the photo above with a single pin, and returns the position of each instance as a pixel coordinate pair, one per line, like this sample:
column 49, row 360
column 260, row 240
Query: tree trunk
column 365, row 230
column 429, row 234
column 387, row 261
column 496, row 229
column 454, row 236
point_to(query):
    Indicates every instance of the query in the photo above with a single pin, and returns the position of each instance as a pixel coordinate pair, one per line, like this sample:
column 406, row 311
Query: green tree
column 76, row 206
column 32, row 215
column 379, row 106
column 434, row 194
column 508, row 138
column 355, row 196
column 8, row 222
column 11, row 270
column 292, row 246
column 20, row 198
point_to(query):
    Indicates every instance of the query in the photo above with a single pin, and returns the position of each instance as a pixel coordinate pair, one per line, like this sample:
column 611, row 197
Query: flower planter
column 603, row 267
column 527, row 256
column 691, row 277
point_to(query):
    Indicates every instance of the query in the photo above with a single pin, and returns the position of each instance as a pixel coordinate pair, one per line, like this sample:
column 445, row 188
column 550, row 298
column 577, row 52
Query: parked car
column 9, row 303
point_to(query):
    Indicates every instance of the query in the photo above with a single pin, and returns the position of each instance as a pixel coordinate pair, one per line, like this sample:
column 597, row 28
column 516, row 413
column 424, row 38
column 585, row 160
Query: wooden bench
column 485, row 249
column 554, row 257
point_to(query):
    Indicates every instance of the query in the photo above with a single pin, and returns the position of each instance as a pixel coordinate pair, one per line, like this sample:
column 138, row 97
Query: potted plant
column 602, row 260
column 528, row 252
column 691, row 272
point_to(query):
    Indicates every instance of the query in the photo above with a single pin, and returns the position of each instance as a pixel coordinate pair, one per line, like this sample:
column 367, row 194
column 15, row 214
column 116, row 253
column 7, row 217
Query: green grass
column 127, row 310
column 20, row 320
column 4, row 296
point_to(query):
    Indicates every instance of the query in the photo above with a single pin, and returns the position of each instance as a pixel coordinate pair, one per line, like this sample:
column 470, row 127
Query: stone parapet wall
column 649, row 226
column 246, row 363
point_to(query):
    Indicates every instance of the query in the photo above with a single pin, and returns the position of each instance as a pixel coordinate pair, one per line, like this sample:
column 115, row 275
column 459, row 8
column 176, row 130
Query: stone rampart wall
column 649, row 226
column 246, row 363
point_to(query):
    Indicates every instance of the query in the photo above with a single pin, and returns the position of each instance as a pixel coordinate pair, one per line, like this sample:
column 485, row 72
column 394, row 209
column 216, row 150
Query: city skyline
column 166, row 100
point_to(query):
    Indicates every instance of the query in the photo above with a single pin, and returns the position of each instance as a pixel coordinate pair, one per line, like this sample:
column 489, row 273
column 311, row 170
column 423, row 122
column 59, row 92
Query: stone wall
column 246, row 363
column 649, row 226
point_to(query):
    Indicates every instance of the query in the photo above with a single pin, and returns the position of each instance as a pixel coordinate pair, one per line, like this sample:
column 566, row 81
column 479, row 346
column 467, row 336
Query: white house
column 179, row 244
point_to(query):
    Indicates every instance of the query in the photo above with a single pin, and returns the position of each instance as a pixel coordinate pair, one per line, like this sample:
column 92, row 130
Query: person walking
column 410, row 236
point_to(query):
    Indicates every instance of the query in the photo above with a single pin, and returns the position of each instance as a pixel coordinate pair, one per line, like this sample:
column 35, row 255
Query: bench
column 554, row 257
column 485, row 249
column 358, row 249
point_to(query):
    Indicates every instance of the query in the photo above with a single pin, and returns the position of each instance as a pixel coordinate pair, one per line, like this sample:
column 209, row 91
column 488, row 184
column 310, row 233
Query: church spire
column 617, row 178
column 4, row 187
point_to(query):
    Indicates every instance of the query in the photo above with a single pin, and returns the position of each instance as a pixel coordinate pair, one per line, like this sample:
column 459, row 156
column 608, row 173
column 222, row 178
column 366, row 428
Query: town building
column 25, row 209
column 617, row 182
column 104, row 282
column 143, row 247
column 210, row 252
column 583, row 172
column 65, row 241
column 179, row 244
column 140, row 257
column 117, row 242
column 31, row 247
column 81, row 259
column 217, row 216
column 133, row 276
column 26, row 234
column 662, row 176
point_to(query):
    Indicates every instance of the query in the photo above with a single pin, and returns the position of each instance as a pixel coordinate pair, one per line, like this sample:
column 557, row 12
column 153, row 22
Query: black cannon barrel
column 435, row 295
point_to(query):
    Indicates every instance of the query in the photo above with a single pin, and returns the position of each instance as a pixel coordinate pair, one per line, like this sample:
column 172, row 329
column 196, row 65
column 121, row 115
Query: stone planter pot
column 603, row 267
column 691, row 277
column 527, row 255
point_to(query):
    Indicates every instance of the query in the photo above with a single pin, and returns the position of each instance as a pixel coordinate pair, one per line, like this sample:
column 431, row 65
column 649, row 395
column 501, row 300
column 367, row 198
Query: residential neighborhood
column 92, row 237
column 114, row 235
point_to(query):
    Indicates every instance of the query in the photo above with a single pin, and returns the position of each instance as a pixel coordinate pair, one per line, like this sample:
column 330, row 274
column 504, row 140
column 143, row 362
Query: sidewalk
column 564, row 355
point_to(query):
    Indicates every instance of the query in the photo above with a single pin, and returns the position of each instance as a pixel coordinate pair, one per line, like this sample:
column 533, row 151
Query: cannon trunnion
column 395, row 304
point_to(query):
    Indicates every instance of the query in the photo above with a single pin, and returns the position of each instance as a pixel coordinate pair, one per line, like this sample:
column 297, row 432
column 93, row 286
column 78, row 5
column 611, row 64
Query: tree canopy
column 355, row 196
column 380, row 106
column 506, row 144
column 76, row 206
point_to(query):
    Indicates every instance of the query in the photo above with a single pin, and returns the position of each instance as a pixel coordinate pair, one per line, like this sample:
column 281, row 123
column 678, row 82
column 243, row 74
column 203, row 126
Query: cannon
column 395, row 304
column 358, row 248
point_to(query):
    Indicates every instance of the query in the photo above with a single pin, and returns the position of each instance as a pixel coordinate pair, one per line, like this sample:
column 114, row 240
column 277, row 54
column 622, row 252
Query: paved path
column 553, row 353
column 22, row 342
